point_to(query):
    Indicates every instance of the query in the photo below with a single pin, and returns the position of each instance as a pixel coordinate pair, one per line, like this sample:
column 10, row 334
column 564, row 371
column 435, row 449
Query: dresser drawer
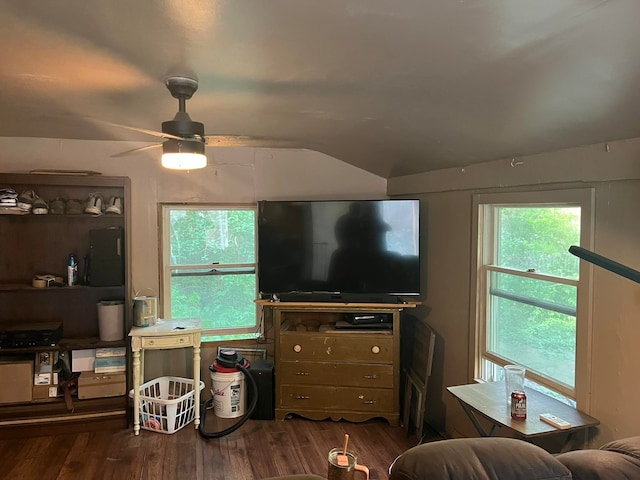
column 337, row 347
column 176, row 341
column 348, row 374
column 333, row 399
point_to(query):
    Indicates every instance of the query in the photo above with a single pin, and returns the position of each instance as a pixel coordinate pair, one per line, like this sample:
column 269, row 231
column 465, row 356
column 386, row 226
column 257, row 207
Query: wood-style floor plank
column 259, row 449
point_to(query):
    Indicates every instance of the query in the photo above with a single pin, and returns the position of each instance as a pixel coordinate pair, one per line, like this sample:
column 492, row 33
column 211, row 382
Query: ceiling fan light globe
column 183, row 155
column 184, row 161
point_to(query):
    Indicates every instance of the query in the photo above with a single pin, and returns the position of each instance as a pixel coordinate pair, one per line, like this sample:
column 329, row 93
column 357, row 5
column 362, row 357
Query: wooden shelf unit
column 40, row 244
column 323, row 372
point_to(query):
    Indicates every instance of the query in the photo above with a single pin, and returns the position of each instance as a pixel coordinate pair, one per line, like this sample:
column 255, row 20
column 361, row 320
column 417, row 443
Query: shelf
column 57, row 407
column 41, row 180
column 66, row 344
column 59, row 216
column 51, row 417
column 41, row 245
column 21, row 287
column 90, row 342
column 340, row 331
column 335, row 306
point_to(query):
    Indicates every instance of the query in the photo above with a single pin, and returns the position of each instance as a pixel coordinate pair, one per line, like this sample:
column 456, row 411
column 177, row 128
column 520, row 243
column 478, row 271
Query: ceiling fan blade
column 137, row 150
column 141, row 130
column 248, row 141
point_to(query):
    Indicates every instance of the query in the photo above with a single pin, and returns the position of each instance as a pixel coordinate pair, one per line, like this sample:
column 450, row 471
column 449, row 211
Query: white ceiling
column 393, row 87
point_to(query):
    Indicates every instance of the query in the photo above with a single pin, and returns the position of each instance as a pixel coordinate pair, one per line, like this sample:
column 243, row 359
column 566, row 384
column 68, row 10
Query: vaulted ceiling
column 393, row 87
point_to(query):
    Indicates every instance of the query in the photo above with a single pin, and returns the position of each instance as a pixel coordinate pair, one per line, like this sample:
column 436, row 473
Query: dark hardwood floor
column 259, row 449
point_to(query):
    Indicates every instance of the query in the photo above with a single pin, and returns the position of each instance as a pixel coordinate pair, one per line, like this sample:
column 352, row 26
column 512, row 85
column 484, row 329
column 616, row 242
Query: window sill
column 207, row 338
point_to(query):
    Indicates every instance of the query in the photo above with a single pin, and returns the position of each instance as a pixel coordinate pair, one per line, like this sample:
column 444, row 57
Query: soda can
column 518, row 405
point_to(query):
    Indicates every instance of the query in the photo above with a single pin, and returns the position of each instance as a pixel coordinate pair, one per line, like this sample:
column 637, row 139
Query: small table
column 489, row 401
column 165, row 334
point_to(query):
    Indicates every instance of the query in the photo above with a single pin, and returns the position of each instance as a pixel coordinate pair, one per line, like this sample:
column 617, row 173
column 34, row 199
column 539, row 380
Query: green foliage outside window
column 533, row 321
column 539, row 237
column 212, row 236
column 222, row 294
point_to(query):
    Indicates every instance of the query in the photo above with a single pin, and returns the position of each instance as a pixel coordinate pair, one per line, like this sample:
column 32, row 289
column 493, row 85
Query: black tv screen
column 362, row 248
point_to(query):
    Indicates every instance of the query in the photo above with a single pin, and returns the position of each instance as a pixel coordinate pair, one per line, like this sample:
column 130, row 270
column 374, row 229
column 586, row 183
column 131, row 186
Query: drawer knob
column 369, row 402
column 182, row 340
column 297, row 348
column 302, row 397
column 370, row 377
column 375, row 349
column 304, row 374
column 151, row 342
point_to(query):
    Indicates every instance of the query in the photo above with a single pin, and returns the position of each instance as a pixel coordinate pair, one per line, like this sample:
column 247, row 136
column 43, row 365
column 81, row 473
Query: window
column 209, row 267
column 531, row 294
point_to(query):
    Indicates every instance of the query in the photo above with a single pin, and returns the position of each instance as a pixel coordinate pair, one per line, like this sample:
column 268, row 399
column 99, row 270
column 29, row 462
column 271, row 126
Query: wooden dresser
column 325, row 372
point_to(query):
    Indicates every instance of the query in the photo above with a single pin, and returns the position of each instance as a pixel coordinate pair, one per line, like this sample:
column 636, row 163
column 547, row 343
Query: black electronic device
column 30, row 334
column 106, row 257
column 343, row 325
column 262, row 373
column 354, row 250
column 368, row 318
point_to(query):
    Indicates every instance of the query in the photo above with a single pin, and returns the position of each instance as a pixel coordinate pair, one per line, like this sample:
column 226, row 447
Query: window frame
column 482, row 251
column 165, row 267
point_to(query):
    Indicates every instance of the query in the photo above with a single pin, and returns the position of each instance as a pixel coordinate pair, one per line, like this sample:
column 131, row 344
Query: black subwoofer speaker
column 262, row 372
column 106, row 257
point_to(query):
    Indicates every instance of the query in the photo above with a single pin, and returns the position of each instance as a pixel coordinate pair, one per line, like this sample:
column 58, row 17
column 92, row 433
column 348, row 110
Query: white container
column 166, row 404
column 110, row 320
column 144, row 311
column 228, row 390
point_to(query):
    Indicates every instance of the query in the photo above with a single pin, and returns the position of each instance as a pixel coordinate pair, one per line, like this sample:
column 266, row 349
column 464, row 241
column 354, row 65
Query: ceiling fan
column 185, row 140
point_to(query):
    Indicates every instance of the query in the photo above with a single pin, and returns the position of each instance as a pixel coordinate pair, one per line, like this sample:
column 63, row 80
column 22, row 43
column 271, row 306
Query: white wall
column 614, row 172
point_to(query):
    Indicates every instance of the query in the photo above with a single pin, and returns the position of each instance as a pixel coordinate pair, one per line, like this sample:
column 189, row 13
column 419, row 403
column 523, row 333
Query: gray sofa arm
column 478, row 458
column 617, row 460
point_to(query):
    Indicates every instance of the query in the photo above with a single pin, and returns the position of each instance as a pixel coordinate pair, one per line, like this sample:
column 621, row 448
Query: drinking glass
column 513, row 379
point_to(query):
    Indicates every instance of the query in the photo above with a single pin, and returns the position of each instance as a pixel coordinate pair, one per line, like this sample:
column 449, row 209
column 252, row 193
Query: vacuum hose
column 239, row 362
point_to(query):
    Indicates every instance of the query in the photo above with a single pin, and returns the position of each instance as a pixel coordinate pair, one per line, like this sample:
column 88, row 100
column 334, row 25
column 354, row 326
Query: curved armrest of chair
column 617, row 460
column 487, row 458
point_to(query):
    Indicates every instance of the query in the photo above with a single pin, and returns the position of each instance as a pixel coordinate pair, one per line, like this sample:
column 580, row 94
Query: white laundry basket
column 166, row 404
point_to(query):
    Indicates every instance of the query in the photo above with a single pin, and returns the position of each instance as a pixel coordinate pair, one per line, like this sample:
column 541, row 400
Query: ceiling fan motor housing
column 181, row 87
column 183, row 126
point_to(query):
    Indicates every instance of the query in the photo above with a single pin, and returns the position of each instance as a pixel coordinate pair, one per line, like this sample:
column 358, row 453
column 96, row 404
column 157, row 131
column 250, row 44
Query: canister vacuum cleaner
column 229, row 361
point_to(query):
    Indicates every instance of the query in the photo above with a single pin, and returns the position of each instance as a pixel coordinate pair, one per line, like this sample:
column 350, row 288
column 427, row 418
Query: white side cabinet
column 165, row 334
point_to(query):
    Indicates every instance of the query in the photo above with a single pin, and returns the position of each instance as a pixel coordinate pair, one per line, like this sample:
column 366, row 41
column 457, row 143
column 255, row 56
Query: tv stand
column 326, row 372
column 370, row 298
column 327, row 297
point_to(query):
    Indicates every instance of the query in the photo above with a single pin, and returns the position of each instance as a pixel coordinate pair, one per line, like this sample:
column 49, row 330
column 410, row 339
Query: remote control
column 555, row 421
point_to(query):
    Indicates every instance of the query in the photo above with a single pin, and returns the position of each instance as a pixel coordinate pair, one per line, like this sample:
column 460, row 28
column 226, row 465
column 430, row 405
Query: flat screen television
column 354, row 250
